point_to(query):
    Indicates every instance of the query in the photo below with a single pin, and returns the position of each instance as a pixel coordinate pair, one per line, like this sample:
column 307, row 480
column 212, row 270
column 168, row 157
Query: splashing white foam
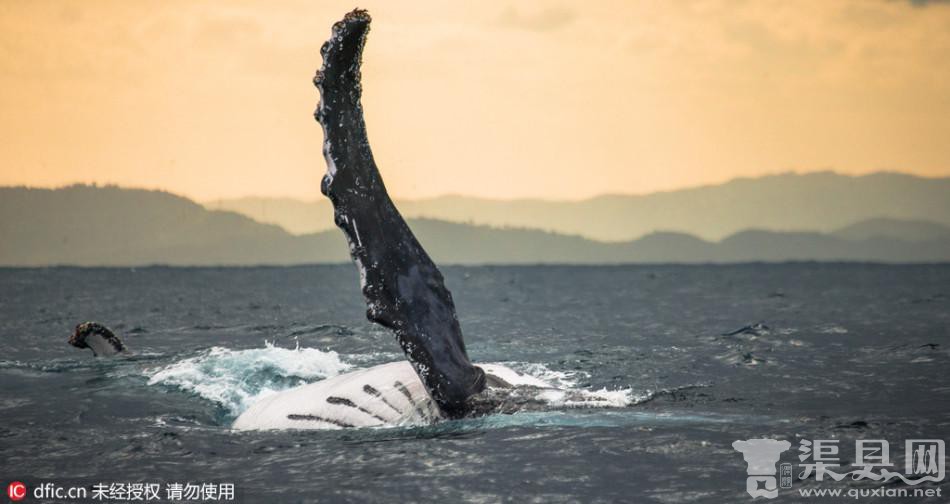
column 570, row 396
column 235, row 379
column 560, row 379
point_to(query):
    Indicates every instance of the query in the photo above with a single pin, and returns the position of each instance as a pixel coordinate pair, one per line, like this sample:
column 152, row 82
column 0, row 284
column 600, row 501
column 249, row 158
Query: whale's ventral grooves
column 404, row 290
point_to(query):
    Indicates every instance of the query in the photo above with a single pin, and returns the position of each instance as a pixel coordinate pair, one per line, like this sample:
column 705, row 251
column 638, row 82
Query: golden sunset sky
column 552, row 99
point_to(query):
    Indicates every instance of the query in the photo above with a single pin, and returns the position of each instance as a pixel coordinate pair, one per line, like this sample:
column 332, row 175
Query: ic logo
column 760, row 456
column 16, row 491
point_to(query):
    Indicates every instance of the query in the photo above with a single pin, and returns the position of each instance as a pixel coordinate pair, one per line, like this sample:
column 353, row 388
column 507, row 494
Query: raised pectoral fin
column 403, row 288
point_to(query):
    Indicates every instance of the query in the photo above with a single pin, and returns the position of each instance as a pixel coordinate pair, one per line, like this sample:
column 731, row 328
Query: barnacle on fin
column 358, row 14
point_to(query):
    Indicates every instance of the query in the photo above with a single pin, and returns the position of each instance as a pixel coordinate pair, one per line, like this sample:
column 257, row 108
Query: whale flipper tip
column 97, row 337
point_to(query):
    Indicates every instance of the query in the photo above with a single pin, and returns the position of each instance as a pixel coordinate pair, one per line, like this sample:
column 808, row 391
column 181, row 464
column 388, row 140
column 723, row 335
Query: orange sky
column 498, row 99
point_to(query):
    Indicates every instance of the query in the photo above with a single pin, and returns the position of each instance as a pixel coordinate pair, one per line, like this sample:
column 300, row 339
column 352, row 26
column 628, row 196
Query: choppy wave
column 235, row 379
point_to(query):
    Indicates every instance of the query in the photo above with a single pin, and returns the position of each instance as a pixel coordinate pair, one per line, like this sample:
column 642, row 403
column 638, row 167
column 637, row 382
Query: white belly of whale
column 385, row 395
column 388, row 394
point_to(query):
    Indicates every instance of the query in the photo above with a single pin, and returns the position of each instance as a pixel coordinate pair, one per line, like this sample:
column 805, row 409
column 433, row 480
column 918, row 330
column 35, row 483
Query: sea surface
column 686, row 360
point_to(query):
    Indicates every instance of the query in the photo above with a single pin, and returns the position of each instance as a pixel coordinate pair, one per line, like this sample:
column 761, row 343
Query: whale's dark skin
column 403, row 288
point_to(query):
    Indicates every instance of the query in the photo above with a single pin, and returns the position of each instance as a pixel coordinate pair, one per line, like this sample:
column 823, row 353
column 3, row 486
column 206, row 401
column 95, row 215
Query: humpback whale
column 403, row 289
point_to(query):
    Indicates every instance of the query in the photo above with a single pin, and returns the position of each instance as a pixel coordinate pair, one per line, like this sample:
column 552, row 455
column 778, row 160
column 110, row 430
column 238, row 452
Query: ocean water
column 680, row 362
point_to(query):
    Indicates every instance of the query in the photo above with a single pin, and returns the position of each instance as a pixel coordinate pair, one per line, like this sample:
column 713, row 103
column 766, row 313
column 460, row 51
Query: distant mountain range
column 822, row 202
column 91, row 226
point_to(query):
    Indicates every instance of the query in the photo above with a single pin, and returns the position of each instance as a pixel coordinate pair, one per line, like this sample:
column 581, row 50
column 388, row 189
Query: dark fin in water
column 98, row 338
column 404, row 290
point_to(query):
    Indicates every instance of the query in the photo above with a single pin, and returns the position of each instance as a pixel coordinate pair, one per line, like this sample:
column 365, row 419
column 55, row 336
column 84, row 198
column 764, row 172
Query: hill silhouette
column 823, row 202
column 111, row 226
column 88, row 225
column 898, row 229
